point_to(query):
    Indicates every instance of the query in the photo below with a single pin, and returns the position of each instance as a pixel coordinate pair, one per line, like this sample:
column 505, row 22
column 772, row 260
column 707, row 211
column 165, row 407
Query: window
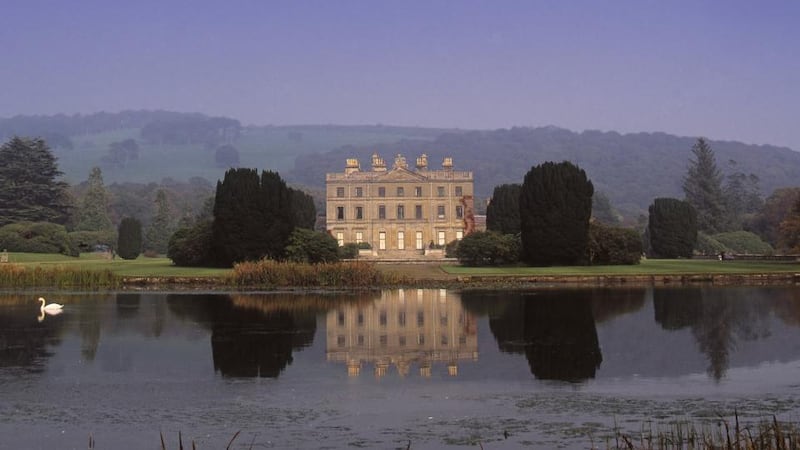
column 381, row 191
column 359, row 192
column 441, row 240
column 459, row 235
column 418, row 239
column 420, row 318
column 440, row 191
column 340, row 341
column 459, row 191
column 382, row 318
column 418, row 211
column 444, row 339
column 440, row 211
column 418, row 191
column 381, row 211
column 401, row 318
column 340, row 238
column 400, row 191
column 359, row 212
column 401, row 212
column 360, row 318
column 384, row 340
column 359, row 237
column 459, row 212
column 360, row 340
column 340, row 213
column 401, row 240
column 382, row 240
column 421, row 339
column 401, row 341
column 340, row 318
column 340, row 192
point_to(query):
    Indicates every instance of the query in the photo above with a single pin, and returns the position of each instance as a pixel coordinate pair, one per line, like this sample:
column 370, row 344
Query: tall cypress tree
column 555, row 207
column 161, row 227
column 672, row 228
column 129, row 242
column 703, row 189
column 502, row 213
column 29, row 189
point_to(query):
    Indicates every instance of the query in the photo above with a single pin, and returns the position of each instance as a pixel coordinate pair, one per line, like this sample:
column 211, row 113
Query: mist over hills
column 632, row 169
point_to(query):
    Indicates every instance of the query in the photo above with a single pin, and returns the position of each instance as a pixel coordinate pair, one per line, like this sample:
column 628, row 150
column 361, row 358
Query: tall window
column 418, row 239
column 459, row 191
column 381, row 211
column 401, row 192
column 340, row 238
column 440, row 211
column 359, row 237
column 459, row 212
column 382, row 240
column 440, row 191
column 418, row 191
column 418, row 211
column 459, row 235
column 401, row 240
column 359, row 192
column 441, row 240
column 340, row 192
column 401, row 212
column 381, row 191
column 359, row 212
column 340, row 213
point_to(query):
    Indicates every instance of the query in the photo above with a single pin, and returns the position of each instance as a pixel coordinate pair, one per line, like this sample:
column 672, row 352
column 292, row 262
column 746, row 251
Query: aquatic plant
column 16, row 276
column 269, row 273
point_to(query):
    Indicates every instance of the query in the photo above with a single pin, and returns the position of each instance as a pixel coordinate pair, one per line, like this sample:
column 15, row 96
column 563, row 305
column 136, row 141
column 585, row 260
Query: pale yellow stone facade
column 410, row 331
column 399, row 210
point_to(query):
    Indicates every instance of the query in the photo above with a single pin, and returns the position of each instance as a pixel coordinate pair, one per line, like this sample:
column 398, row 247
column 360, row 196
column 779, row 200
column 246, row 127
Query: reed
column 269, row 273
column 16, row 276
column 765, row 435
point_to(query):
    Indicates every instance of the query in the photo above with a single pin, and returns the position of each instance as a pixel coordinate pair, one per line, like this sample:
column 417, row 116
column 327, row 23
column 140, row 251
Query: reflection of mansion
column 403, row 328
column 399, row 211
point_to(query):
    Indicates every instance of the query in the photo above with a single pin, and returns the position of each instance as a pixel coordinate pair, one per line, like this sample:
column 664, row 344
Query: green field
column 139, row 267
column 647, row 267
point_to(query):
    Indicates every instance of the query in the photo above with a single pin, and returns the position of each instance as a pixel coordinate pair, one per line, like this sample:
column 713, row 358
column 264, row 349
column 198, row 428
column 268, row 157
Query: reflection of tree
column 555, row 329
column 128, row 305
column 247, row 342
column 24, row 340
column 717, row 318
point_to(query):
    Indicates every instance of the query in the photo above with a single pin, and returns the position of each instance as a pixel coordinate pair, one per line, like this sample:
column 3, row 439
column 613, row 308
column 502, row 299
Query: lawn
column 647, row 267
column 139, row 267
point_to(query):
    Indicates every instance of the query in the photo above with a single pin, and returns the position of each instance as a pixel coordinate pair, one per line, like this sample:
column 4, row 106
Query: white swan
column 50, row 308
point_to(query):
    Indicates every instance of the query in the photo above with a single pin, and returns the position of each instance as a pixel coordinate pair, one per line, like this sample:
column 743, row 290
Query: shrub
column 312, row 247
column 348, row 251
column 613, row 245
column 744, row 242
column 37, row 237
column 488, row 248
column 129, row 242
column 672, row 227
column 708, row 245
column 87, row 241
column 191, row 247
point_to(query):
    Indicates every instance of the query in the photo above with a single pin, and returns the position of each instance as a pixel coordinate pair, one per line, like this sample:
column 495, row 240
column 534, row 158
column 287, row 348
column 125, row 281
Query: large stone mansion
column 400, row 211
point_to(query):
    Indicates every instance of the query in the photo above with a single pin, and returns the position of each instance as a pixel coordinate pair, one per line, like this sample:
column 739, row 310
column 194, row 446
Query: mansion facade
column 399, row 211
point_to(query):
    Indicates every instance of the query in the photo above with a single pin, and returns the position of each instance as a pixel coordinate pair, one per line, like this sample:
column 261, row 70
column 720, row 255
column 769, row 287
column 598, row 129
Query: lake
column 545, row 368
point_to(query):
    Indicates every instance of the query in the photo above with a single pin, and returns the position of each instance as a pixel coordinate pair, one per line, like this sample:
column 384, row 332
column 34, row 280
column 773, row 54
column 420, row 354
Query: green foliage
column 162, row 226
column 348, row 250
column 313, row 247
column 707, row 245
column 86, row 241
column 742, row 198
column 252, row 217
column 672, row 228
column 226, row 156
column 268, row 273
column 602, row 210
column 191, row 246
column 92, row 215
column 555, row 208
column 37, row 237
column 703, row 189
column 488, row 248
column 129, row 241
column 789, row 230
column 15, row 276
column 29, row 190
column 451, row 249
column 766, row 223
column 613, row 245
column 303, row 210
column 743, row 242
column 502, row 213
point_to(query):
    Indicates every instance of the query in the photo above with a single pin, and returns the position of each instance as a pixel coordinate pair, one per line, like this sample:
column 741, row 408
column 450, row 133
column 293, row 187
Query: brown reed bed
column 270, row 274
column 13, row 276
column 726, row 435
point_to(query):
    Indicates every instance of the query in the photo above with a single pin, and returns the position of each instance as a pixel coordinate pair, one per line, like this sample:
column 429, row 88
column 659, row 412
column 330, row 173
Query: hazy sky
column 722, row 69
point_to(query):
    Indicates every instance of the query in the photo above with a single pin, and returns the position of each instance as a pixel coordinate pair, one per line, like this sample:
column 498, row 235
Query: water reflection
column 24, row 339
column 401, row 329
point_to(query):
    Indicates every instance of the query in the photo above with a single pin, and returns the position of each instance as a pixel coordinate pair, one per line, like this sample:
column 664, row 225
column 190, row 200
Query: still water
column 509, row 369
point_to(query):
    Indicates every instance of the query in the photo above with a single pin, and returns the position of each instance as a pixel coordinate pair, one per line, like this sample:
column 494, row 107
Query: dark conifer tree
column 502, row 213
column 129, row 241
column 555, row 207
column 304, row 211
column 672, row 228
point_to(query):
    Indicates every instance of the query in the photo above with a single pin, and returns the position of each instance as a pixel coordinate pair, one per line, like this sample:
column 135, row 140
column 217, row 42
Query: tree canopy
column 93, row 211
column 555, row 207
column 703, row 189
column 29, row 186
column 672, row 228
column 502, row 213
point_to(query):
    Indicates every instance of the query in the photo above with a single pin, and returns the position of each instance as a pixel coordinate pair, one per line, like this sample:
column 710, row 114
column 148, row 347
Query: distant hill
column 632, row 169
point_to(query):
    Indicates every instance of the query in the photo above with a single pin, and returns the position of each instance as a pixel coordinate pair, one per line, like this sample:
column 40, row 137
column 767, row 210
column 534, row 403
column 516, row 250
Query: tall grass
column 15, row 276
column 766, row 435
column 268, row 273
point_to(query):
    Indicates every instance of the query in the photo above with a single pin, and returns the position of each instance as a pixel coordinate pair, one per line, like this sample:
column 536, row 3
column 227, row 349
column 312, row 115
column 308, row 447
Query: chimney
column 378, row 164
column 352, row 166
column 447, row 164
column 422, row 162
